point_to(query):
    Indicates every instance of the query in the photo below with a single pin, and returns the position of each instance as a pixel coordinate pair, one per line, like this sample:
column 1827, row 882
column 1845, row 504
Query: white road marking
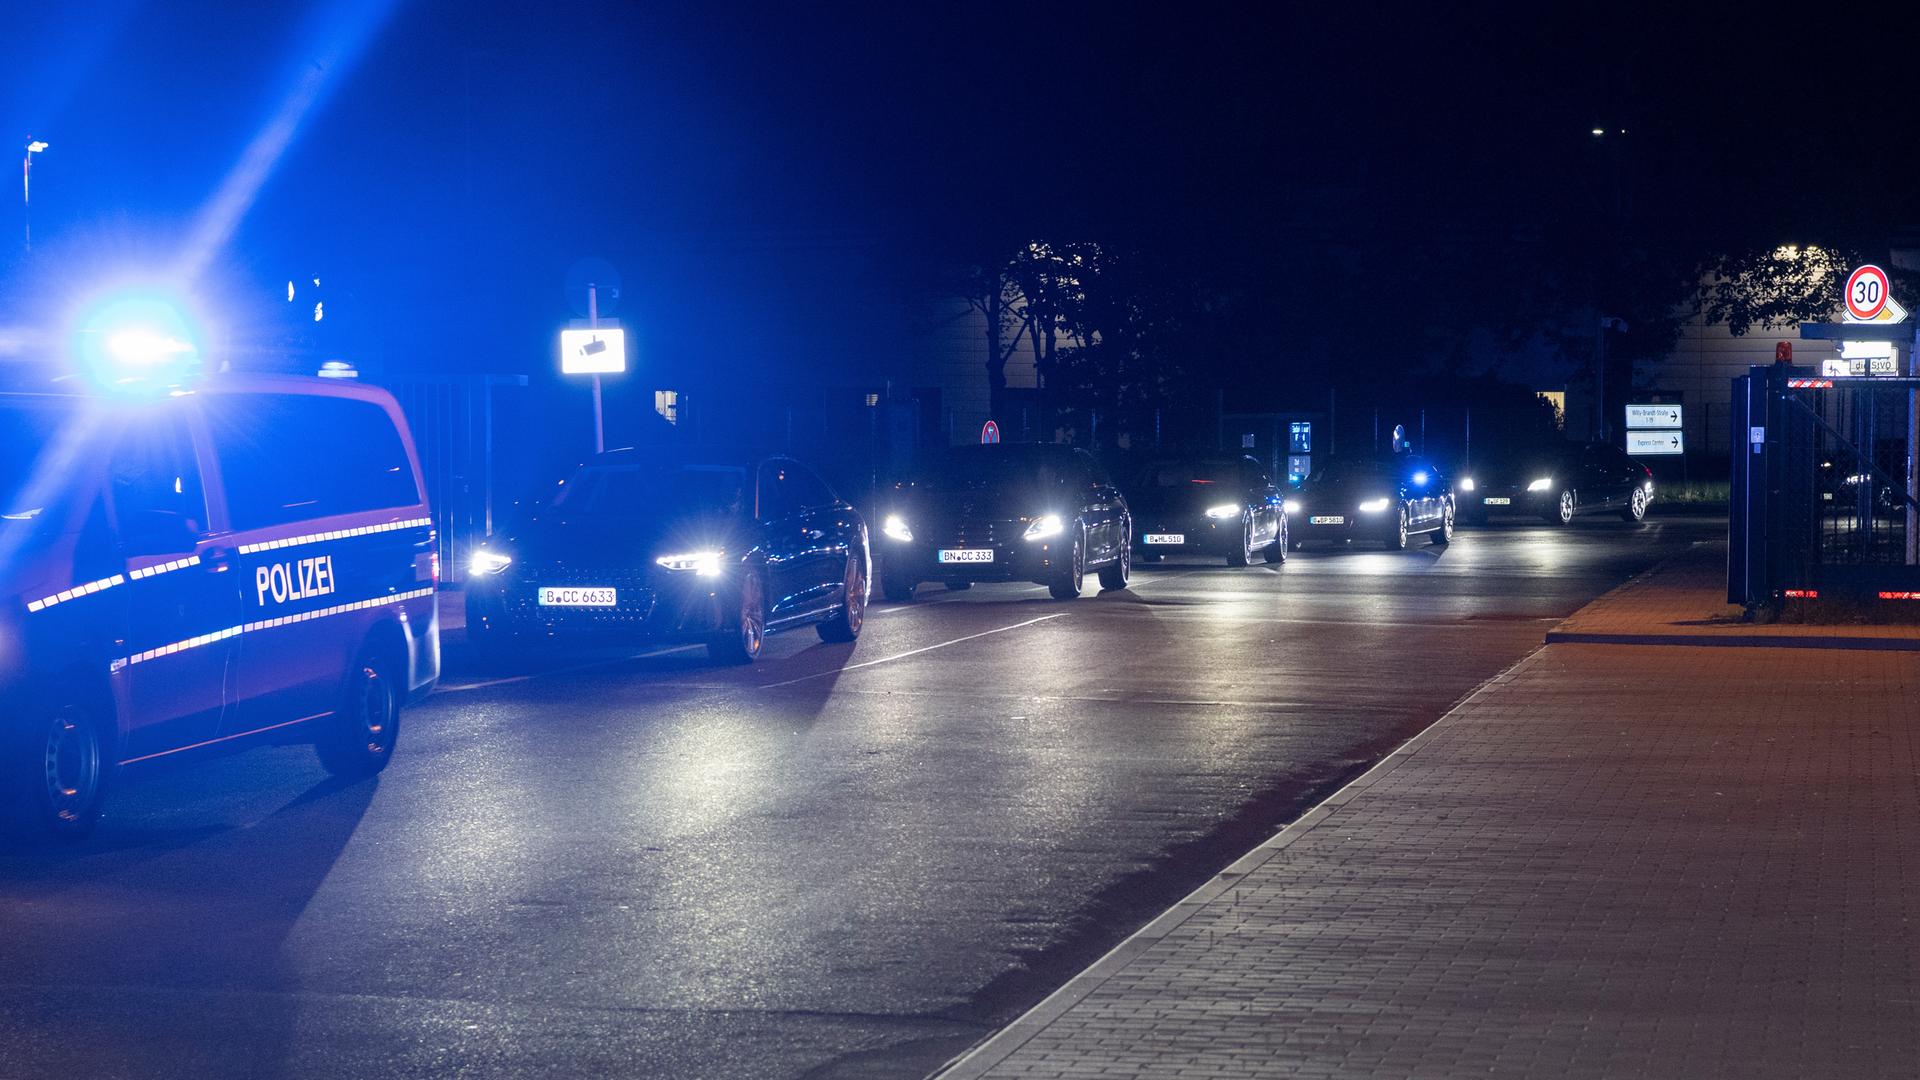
column 914, row 652
column 484, row 684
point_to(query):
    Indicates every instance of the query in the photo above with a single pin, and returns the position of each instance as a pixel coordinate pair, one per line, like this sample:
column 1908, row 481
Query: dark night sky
column 776, row 178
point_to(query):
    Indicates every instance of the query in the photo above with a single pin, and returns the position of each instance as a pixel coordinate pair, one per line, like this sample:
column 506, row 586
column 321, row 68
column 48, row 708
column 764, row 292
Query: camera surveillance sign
column 598, row 351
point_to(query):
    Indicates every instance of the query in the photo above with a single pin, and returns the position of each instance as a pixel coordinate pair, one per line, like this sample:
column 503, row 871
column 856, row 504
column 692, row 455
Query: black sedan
column 1389, row 499
column 1213, row 504
column 1556, row 482
column 638, row 547
column 1006, row 512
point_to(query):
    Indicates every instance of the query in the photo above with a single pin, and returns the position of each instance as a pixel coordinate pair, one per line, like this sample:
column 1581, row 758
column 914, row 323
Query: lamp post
column 34, row 146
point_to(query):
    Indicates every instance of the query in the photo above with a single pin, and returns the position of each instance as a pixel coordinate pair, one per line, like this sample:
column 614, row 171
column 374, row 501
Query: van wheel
column 741, row 642
column 56, row 768
column 360, row 738
column 844, row 625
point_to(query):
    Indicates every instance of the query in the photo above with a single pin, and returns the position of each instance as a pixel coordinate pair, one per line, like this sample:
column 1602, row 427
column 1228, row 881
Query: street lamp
column 34, row 146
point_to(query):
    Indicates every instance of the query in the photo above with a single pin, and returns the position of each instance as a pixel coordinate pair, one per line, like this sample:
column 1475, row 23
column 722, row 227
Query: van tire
column 53, row 745
column 360, row 735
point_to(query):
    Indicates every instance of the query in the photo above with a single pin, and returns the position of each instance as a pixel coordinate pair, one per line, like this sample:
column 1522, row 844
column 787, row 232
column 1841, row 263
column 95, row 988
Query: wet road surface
column 843, row 861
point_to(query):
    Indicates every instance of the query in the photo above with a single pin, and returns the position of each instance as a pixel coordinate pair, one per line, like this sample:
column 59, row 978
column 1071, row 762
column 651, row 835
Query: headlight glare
column 486, row 562
column 1224, row 510
column 700, row 563
column 1541, row 484
column 1291, row 506
column 1373, row 506
column 1466, row 483
column 1044, row 526
column 895, row 528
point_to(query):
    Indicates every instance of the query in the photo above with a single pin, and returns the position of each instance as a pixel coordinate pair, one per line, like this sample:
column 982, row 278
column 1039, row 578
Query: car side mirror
column 156, row 532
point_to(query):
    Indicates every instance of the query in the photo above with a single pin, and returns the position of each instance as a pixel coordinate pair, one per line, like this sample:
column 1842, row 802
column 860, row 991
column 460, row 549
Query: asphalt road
column 843, row 861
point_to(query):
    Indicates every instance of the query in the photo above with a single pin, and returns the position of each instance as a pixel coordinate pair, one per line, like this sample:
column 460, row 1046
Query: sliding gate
column 1825, row 502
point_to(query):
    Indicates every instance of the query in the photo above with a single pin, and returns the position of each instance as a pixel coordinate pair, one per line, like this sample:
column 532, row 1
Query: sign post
column 594, row 350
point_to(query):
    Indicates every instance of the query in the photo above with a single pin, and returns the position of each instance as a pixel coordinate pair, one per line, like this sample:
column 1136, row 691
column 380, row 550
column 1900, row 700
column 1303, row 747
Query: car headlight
column 1541, row 484
column 1290, row 506
column 1466, row 483
column 486, row 562
column 701, row 563
column 895, row 528
column 1046, row 525
column 1224, row 510
column 1373, row 506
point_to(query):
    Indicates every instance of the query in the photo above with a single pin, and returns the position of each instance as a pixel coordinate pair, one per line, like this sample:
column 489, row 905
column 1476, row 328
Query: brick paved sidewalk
column 1613, row 861
column 1684, row 602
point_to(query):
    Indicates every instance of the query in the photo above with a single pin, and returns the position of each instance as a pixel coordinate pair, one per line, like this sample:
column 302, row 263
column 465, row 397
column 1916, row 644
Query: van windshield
column 34, row 433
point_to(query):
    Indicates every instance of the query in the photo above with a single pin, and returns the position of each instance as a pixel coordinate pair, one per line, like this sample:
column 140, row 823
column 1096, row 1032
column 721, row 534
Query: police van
column 247, row 559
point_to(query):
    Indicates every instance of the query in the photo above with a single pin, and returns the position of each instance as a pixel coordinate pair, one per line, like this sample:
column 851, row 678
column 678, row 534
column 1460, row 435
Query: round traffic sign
column 1866, row 292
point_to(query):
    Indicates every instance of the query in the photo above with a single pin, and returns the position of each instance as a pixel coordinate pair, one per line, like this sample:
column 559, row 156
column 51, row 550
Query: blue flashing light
column 137, row 338
column 1420, row 478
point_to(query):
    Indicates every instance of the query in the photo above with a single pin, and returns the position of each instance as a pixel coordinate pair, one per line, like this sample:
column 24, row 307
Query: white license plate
column 1326, row 521
column 1166, row 538
column 952, row 555
column 584, row 596
column 1498, row 501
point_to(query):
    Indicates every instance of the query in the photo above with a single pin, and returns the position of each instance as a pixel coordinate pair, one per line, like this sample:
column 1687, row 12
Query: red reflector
column 1809, row 384
column 1803, row 594
column 1900, row 596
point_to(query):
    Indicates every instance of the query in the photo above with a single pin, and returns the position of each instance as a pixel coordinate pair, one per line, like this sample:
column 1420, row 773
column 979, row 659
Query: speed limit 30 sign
column 1866, row 292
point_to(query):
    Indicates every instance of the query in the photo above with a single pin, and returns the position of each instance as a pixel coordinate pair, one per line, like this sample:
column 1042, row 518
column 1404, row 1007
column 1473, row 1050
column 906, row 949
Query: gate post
column 1750, row 581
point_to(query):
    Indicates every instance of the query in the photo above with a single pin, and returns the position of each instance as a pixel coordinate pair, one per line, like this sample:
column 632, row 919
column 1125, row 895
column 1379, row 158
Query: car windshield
column 991, row 467
column 632, row 490
column 30, row 430
column 1180, row 474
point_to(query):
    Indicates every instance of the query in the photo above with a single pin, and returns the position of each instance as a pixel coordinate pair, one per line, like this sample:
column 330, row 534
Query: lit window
column 667, row 404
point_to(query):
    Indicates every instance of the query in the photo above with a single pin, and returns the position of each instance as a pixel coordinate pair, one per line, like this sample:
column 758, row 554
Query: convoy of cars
column 252, row 559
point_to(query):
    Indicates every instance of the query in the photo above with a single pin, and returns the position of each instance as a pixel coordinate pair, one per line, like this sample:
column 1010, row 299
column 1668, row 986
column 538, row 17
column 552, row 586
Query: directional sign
column 593, row 352
column 1650, row 443
column 1653, row 416
column 1866, row 292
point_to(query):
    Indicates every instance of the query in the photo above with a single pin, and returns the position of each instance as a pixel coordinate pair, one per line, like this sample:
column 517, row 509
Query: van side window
column 291, row 457
column 154, row 471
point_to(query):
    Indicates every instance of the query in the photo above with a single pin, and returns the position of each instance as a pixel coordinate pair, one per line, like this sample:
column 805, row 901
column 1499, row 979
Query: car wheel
column 1067, row 585
column 1636, row 507
column 895, row 587
column 1562, row 511
column 844, row 625
column 741, row 643
column 57, row 771
column 360, row 736
column 1444, row 535
column 1277, row 551
column 1398, row 541
column 1242, row 554
column 1114, row 575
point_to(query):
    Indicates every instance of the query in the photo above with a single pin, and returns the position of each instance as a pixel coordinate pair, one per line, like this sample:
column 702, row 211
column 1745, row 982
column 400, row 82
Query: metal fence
column 453, row 423
column 1825, row 502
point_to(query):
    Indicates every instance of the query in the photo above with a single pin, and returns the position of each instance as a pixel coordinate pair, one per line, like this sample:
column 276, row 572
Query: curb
column 1738, row 641
column 1002, row 1044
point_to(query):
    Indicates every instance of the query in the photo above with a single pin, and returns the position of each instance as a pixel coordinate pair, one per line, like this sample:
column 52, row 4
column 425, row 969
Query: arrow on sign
column 1891, row 312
